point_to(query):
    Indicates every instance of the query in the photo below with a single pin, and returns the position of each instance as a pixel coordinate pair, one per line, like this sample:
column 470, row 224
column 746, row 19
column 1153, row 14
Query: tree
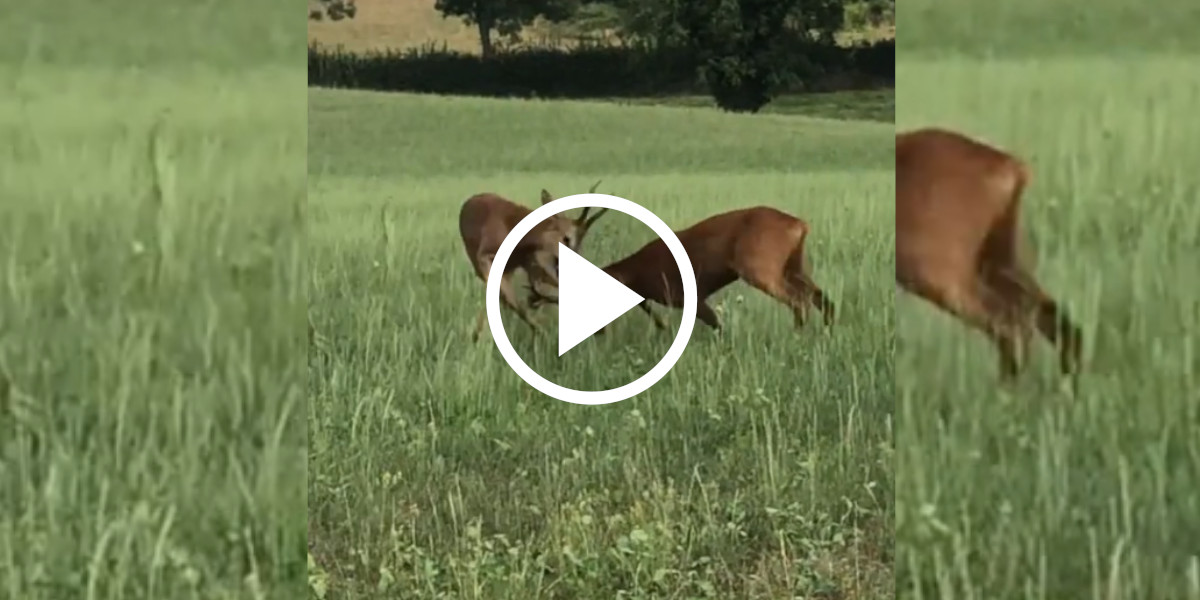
column 336, row 10
column 870, row 13
column 747, row 48
column 505, row 17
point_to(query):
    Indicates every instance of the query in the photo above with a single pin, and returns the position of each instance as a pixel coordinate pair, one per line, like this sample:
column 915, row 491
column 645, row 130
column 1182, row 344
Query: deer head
column 571, row 231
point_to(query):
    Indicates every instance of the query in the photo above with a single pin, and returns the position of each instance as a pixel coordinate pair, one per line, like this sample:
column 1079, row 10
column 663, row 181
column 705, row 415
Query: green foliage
column 744, row 51
column 759, row 468
column 506, row 17
column 870, row 13
column 583, row 72
column 745, row 48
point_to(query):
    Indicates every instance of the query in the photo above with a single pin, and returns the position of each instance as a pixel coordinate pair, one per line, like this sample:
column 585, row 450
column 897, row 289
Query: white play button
column 588, row 299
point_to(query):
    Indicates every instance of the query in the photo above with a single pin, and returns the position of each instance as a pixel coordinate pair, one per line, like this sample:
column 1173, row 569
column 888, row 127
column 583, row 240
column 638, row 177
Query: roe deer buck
column 958, row 243
column 486, row 219
column 762, row 246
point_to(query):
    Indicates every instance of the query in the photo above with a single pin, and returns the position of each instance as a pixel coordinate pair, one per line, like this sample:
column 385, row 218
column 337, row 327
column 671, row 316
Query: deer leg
column 800, row 297
column 795, row 297
column 509, row 299
column 1002, row 263
column 800, row 314
column 1051, row 320
column 806, row 292
column 970, row 306
column 707, row 315
column 1011, row 320
column 1054, row 323
column 546, row 267
column 645, row 306
column 1057, row 327
column 509, row 296
column 481, row 320
column 483, row 266
column 658, row 323
column 796, row 275
column 536, row 297
column 1004, row 326
column 824, row 304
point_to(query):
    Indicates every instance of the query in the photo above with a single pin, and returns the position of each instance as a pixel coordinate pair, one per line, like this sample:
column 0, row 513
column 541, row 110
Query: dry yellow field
column 397, row 24
column 400, row 24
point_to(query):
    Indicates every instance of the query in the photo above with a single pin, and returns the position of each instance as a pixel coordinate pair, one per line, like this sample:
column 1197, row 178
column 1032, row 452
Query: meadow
column 1032, row 492
column 151, row 312
column 760, row 467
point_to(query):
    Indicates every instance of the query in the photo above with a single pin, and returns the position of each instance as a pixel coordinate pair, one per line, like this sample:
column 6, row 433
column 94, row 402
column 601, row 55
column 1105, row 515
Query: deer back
column 485, row 219
column 718, row 247
column 950, row 189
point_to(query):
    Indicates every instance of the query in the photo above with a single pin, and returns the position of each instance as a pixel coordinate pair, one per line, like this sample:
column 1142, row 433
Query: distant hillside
column 400, row 24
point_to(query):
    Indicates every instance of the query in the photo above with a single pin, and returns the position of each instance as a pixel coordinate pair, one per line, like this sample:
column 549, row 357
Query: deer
column 761, row 246
column 959, row 245
column 486, row 219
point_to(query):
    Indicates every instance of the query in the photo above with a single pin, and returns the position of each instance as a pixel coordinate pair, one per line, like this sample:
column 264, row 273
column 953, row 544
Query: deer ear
column 546, row 197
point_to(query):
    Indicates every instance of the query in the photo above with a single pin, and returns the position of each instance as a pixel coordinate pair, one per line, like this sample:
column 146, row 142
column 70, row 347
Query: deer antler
column 598, row 214
column 584, row 214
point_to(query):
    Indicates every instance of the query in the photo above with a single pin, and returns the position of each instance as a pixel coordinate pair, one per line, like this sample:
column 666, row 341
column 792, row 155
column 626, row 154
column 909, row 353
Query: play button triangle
column 588, row 299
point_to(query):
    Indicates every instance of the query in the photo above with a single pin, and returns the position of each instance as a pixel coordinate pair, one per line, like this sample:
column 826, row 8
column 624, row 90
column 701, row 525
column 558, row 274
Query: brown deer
column 761, row 246
column 486, row 219
column 958, row 244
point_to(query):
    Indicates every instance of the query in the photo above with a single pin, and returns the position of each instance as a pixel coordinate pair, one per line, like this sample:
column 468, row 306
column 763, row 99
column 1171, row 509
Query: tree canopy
column 505, row 17
column 745, row 48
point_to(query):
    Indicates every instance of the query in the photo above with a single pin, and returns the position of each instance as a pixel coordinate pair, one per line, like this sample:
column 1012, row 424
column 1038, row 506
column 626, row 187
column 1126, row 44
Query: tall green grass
column 1030, row 492
column 1032, row 29
column 760, row 467
column 151, row 305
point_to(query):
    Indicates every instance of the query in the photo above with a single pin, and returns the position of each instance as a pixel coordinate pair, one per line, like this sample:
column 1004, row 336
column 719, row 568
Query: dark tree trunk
column 485, row 24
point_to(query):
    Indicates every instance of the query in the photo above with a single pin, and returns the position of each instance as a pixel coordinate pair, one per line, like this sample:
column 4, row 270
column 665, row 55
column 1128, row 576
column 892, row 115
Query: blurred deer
column 958, row 244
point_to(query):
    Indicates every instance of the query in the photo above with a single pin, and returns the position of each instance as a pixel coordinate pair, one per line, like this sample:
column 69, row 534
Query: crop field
column 412, row 24
column 151, row 308
column 1032, row 492
column 760, row 467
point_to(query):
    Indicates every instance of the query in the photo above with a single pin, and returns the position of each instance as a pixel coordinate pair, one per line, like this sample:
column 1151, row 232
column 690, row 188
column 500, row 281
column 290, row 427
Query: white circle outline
column 635, row 387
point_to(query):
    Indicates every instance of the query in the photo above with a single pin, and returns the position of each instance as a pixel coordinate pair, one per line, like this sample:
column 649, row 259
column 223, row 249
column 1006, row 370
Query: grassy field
column 863, row 105
column 1032, row 493
column 761, row 467
column 151, row 395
